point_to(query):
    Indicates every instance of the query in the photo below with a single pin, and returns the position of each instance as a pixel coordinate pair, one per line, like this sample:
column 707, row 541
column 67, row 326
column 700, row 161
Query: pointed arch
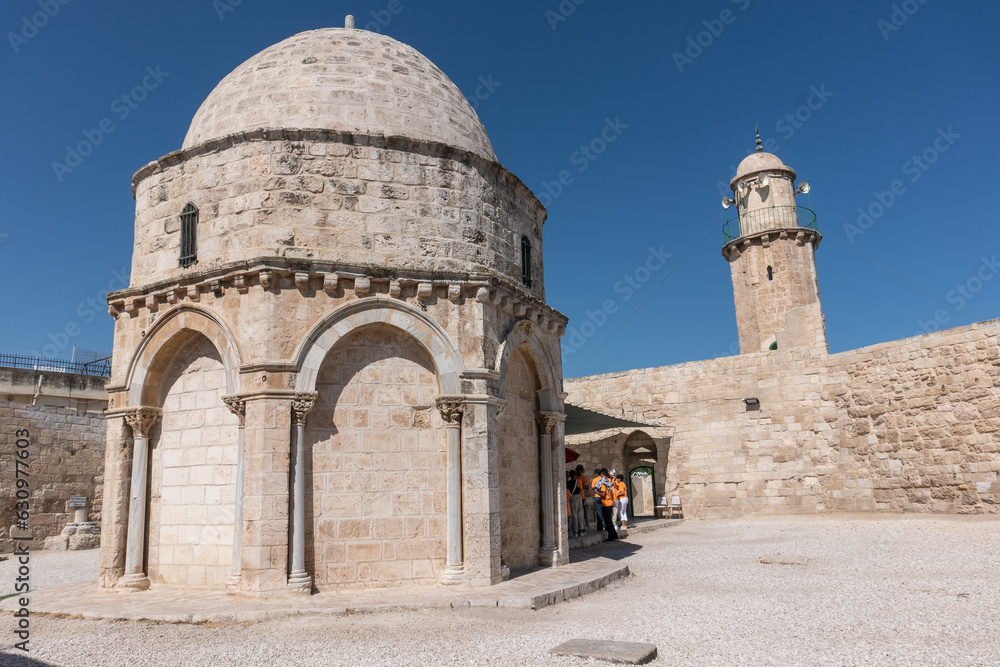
column 165, row 337
column 379, row 310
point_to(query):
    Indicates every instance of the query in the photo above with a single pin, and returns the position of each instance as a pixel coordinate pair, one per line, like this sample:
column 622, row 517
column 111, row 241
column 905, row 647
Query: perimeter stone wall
column 910, row 425
column 67, row 459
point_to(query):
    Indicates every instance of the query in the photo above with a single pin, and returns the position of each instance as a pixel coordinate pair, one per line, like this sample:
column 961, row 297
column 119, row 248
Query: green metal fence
column 775, row 217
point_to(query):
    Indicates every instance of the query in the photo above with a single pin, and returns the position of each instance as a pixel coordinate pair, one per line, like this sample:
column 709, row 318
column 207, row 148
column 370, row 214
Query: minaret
column 770, row 245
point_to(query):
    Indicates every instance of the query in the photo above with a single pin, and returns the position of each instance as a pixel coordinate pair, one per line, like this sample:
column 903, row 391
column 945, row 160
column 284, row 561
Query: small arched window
column 189, row 235
column 774, row 346
column 770, row 273
column 526, row 261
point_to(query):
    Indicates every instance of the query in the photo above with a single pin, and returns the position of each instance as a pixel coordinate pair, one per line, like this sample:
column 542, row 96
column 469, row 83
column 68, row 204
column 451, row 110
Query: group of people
column 607, row 493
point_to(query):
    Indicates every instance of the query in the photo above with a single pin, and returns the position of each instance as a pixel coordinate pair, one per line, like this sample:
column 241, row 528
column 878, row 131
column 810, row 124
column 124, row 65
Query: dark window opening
column 774, row 346
column 526, row 261
column 189, row 235
column 770, row 273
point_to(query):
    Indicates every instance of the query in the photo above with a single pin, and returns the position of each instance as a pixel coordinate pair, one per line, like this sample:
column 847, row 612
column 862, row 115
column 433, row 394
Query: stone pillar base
column 453, row 575
column 133, row 582
column 300, row 583
column 548, row 557
column 233, row 583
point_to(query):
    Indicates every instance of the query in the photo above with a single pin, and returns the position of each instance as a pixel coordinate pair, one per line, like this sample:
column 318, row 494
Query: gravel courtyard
column 885, row 590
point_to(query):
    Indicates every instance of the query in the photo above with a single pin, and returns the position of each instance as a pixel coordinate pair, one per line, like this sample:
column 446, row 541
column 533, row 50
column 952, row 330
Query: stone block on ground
column 82, row 541
column 629, row 653
column 57, row 543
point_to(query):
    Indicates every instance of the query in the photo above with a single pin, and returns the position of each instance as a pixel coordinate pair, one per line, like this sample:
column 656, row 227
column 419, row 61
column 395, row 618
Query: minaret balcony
column 760, row 220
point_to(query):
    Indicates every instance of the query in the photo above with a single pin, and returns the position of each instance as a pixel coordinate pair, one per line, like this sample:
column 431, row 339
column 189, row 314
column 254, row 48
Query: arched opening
column 376, row 469
column 519, row 475
column 192, row 471
column 641, row 459
column 641, row 491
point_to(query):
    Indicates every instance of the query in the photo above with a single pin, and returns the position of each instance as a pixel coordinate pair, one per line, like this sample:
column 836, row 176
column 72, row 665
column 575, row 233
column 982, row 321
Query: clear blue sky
column 886, row 95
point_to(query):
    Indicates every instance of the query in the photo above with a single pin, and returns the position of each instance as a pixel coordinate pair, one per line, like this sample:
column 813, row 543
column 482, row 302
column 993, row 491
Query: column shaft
column 299, row 579
column 451, row 411
column 234, row 578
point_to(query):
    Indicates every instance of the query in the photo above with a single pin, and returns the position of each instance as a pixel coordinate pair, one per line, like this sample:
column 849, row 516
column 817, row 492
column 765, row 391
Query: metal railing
column 96, row 368
column 762, row 219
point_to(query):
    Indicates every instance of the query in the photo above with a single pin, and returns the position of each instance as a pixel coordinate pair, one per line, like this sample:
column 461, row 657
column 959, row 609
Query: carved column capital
column 547, row 421
column 302, row 403
column 141, row 420
column 451, row 409
column 238, row 406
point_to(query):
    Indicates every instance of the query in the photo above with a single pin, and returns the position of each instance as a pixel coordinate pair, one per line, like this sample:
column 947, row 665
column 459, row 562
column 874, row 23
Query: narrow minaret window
column 770, row 273
column 189, row 235
column 526, row 261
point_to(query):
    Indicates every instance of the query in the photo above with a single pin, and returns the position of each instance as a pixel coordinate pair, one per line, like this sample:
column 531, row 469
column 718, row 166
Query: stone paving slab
column 784, row 559
column 631, row 653
column 533, row 590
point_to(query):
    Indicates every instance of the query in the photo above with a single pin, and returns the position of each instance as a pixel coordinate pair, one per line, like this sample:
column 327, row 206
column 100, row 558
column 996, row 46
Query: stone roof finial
column 349, row 22
column 760, row 144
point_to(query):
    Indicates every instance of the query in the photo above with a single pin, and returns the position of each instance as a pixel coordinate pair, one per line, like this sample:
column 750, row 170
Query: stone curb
column 73, row 601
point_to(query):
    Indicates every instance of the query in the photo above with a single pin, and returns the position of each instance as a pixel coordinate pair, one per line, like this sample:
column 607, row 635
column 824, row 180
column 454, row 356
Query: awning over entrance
column 581, row 420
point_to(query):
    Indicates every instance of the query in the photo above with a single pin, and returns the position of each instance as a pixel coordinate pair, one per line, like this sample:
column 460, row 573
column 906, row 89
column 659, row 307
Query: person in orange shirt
column 604, row 491
column 622, row 501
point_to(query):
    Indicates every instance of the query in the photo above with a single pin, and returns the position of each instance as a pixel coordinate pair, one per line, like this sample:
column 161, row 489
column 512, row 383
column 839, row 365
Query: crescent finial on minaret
column 760, row 145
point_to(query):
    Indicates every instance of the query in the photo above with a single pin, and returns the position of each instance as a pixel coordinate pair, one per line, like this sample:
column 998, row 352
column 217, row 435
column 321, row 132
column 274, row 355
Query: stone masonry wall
column 67, row 459
column 519, row 478
column 405, row 206
column 193, row 474
column 923, row 416
column 909, row 425
column 376, row 514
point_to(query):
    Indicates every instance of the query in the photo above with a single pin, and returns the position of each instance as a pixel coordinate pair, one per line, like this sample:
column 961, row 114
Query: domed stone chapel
column 334, row 366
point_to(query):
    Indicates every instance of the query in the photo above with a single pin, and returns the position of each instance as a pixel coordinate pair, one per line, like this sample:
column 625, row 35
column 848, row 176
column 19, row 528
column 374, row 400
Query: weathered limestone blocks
column 66, row 454
column 902, row 426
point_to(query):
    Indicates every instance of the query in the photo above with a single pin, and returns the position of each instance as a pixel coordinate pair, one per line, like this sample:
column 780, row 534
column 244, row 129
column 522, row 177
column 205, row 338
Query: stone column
column 451, row 412
column 238, row 406
column 114, row 509
column 549, row 553
column 141, row 420
column 299, row 579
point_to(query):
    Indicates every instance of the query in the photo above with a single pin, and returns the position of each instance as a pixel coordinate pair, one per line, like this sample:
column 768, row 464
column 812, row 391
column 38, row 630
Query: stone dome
column 341, row 79
column 758, row 162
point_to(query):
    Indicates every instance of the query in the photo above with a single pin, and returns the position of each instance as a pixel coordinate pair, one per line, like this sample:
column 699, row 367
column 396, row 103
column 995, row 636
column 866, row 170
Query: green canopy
column 581, row 420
